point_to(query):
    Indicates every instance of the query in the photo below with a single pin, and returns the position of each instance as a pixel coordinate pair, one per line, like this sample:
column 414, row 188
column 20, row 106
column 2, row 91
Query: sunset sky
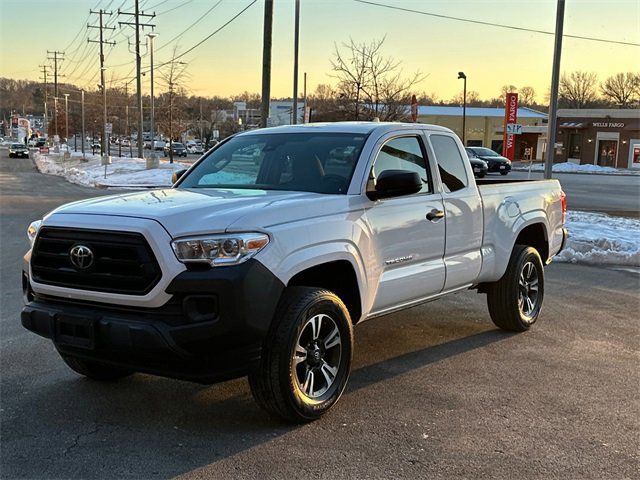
column 230, row 62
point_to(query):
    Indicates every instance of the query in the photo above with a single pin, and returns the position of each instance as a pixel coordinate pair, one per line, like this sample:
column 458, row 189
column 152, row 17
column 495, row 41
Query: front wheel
column 306, row 357
column 516, row 299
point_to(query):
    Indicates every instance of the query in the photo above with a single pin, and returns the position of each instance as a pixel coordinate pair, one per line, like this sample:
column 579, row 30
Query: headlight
column 219, row 250
column 32, row 231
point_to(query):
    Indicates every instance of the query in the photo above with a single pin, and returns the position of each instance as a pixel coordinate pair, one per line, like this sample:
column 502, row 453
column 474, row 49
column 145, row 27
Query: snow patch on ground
column 569, row 167
column 599, row 239
column 123, row 171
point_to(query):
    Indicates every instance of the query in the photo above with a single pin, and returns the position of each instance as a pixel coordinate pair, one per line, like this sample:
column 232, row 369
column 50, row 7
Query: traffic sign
column 514, row 129
column 108, row 128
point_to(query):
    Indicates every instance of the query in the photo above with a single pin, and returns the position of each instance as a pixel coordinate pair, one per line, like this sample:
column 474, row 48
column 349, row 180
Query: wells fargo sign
column 510, row 116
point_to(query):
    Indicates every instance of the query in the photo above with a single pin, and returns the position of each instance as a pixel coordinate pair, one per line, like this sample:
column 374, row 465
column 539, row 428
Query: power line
column 497, row 25
column 211, row 34
column 176, row 7
column 190, row 26
column 158, row 4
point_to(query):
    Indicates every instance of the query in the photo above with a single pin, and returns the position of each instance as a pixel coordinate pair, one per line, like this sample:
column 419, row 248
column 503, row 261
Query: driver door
column 409, row 247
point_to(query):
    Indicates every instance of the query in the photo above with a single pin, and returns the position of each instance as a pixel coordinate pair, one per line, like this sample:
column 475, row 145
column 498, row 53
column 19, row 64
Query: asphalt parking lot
column 436, row 391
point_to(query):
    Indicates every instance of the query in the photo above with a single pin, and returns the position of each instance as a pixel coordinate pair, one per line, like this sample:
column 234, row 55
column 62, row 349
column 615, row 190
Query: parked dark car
column 495, row 162
column 480, row 167
column 18, row 150
column 178, row 149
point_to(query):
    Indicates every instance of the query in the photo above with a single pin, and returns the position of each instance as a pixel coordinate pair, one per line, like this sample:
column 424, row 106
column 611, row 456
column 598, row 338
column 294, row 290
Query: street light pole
column 462, row 76
column 66, row 117
column 555, row 79
column 151, row 36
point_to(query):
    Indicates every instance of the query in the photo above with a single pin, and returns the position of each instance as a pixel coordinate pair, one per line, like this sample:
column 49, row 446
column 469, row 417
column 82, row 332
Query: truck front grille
column 119, row 262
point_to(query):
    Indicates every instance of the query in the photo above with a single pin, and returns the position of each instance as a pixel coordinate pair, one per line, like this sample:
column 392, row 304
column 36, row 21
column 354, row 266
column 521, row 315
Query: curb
column 616, row 174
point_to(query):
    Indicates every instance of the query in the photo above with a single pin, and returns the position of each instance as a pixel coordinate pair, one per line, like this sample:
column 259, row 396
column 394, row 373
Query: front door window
column 607, row 151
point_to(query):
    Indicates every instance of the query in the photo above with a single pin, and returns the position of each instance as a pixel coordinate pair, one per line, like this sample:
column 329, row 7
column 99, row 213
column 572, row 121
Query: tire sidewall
column 303, row 405
column 528, row 254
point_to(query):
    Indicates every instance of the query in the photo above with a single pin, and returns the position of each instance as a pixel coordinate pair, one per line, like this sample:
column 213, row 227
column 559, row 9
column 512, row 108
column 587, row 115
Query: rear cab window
column 451, row 165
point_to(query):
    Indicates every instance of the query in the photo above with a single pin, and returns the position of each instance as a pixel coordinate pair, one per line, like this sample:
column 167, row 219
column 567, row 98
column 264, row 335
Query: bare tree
column 371, row 84
column 527, row 96
column 578, row 89
column 473, row 98
column 507, row 89
column 622, row 89
column 173, row 75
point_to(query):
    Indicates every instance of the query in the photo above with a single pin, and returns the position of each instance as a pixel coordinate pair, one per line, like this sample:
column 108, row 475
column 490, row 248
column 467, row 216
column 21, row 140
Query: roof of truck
column 346, row 127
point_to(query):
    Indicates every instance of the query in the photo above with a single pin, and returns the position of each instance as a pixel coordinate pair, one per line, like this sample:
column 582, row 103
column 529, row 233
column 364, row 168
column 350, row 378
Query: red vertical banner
column 510, row 116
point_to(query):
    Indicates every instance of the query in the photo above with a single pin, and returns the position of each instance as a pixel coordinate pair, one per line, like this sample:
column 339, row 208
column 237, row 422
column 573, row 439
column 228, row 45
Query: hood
column 184, row 212
column 498, row 159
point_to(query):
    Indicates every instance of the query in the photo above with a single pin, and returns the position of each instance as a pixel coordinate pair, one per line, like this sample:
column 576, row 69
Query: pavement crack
column 76, row 440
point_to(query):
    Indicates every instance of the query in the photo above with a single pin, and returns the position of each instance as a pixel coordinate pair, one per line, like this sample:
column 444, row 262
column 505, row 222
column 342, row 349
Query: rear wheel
column 95, row 370
column 306, row 357
column 503, row 173
column 516, row 299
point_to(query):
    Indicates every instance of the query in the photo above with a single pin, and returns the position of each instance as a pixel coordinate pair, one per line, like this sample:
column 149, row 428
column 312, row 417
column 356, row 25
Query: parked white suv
column 261, row 265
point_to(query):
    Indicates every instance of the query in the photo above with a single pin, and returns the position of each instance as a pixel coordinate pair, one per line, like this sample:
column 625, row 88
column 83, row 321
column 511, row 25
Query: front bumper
column 20, row 154
column 499, row 167
column 211, row 330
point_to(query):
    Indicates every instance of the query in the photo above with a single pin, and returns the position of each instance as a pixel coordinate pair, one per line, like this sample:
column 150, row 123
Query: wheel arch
column 338, row 276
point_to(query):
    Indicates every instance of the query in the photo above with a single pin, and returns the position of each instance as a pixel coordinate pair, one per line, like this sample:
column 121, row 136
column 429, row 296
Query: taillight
column 563, row 202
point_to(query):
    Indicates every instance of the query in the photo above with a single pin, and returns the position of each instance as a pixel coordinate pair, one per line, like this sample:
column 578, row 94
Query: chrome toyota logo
column 81, row 257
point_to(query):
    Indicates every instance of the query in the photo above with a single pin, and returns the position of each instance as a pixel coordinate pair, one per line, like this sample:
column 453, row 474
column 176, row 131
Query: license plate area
column 75, row 331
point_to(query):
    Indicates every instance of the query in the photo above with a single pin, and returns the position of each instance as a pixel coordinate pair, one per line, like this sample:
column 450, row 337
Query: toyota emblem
column 81, row 257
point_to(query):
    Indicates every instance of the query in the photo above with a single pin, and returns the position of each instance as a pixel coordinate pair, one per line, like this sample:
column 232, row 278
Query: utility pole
column 66, row 117
column 266, row 62
column 555, row 79
column 136, row 24
column 45, row 123
column 102, row 41
column 151, row 36
column 57, row 56
column 296, row 42
column 83, row 132
column 200, row 122
column 126, row 94
column 304, row 99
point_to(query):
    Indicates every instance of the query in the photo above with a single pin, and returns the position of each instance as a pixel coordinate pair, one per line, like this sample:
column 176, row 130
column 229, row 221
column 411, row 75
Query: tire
column 503, row 173
column 292, row 349
column 506, row 298
column 95, row 370
column 481, row 175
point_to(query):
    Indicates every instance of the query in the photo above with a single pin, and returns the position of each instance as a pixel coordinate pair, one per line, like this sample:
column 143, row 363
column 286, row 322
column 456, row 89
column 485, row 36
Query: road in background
column 613, row 194
column 436, row 391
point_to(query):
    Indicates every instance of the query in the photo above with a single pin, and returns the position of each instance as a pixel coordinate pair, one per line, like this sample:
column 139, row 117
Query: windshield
column 485, row 152
column 17, row 145
column 306, row 162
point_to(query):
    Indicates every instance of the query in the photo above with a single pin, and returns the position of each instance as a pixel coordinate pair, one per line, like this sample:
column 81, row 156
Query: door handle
column 435, row 215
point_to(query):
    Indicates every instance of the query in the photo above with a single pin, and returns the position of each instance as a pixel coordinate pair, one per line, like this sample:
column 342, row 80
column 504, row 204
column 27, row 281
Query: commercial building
column 280, row 113
column 485, row 127
column 605, row 137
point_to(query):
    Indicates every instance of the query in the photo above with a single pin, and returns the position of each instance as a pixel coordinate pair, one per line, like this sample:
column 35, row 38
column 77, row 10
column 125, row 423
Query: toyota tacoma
column 263, row 264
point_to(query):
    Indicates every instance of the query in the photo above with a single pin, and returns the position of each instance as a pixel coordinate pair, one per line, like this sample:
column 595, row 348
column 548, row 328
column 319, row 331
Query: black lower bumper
column 211, row 330
column 565, row 237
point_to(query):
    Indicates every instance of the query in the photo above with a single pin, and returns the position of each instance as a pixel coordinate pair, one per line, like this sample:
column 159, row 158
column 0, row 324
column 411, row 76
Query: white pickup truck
column 266, row 253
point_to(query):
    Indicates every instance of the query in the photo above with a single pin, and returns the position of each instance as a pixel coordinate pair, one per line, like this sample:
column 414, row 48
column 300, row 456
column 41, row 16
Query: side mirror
column 176, row 175
column 395, row 183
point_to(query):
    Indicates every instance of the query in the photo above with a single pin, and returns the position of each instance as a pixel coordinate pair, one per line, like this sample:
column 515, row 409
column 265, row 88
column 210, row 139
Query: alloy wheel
column 316, row 356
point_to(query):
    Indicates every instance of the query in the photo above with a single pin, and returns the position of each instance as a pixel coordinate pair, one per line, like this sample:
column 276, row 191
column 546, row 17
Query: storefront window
column 575, row 145
column 607, row 150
